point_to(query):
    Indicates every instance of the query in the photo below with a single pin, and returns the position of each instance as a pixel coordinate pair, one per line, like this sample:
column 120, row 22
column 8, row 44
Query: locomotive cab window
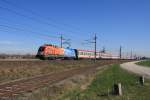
column 41, row 48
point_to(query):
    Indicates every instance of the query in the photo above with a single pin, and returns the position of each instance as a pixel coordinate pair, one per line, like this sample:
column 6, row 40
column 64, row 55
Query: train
column 50, row 52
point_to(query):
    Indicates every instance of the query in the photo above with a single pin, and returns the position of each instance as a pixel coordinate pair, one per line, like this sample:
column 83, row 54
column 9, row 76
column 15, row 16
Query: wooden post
column 117, row 90
column 141, row 80
column 120, row 89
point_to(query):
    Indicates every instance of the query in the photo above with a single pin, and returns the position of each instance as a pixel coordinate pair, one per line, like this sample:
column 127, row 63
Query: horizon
column 25, row 25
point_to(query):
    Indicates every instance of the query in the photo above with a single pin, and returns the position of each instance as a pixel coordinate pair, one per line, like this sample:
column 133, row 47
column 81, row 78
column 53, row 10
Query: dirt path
column 137, row 69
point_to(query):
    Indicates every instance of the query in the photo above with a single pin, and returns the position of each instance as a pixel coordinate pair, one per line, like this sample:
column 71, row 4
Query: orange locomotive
column 50, row 52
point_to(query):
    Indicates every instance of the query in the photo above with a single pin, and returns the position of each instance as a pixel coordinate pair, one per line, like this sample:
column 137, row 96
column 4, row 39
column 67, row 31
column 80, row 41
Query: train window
column 81, row 53
column 90, row 54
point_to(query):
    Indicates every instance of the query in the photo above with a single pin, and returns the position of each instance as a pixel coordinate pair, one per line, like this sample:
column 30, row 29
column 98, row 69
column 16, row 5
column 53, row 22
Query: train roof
column 50, row 45
column 86, row 50
column 93, row 51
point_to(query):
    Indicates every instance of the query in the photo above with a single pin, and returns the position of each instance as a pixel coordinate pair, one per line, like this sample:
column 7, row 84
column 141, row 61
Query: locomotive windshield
column 41, row 49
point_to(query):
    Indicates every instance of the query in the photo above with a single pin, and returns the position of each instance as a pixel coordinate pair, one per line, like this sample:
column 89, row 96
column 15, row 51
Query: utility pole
column 131, row 54
column 104, row 49
column 64, row 41
column 95, row 41
column 61, row 41
column 120, row 52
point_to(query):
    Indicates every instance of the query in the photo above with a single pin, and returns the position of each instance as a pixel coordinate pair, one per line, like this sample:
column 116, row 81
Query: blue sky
column 116, row 22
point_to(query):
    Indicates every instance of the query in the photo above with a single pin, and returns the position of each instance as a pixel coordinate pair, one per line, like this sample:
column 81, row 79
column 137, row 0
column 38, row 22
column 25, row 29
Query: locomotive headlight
column 42, row 53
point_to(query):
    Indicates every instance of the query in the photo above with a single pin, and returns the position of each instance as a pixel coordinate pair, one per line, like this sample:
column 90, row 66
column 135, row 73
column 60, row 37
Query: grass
column 103, row 83
column 144, row 63
column 11, row 70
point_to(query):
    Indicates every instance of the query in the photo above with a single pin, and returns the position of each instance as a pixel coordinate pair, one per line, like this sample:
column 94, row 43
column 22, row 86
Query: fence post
column 117, row 89
column 141, row 80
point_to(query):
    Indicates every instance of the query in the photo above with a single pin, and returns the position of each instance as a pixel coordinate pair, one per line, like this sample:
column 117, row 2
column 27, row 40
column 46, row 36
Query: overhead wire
column 28, row 31
column 32, row 18
column 38, row 20
column 39, row 16
column 21, row 28
column 29, row 17
column 16, row 24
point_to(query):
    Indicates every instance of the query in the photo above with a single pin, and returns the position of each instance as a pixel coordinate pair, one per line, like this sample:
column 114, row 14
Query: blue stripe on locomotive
column 68, row 52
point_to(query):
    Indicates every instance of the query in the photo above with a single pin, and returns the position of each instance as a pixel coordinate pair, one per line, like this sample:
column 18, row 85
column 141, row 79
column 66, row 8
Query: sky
column 27, row 24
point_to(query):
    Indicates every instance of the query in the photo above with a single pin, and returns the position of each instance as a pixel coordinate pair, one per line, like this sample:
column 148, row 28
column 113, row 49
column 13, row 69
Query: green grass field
column 98, row 89
column 144, row 63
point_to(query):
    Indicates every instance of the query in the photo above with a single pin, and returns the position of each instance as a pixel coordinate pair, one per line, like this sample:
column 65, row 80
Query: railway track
column 12, row 89
column 19, row 60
